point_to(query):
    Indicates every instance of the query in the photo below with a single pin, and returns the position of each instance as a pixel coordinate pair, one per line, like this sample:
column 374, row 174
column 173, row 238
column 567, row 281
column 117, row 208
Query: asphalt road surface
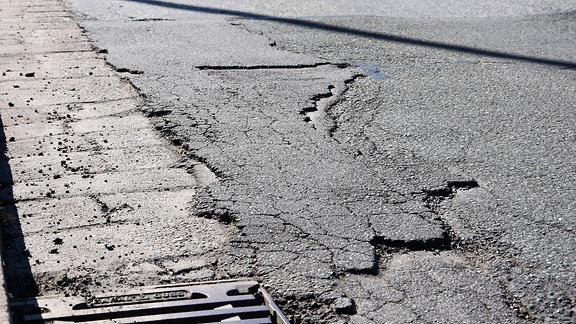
column 397, row 162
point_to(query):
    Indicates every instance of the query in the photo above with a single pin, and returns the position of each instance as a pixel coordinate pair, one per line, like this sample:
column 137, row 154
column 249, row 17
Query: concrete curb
column 77, row 143
column 8, row 13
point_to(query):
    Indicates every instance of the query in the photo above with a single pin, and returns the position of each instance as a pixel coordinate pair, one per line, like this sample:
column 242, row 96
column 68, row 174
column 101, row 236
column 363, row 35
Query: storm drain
column 229, row 302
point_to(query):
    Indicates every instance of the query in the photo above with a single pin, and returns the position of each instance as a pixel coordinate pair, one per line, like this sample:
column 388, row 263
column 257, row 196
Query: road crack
column 318, row 114
column 269, row 67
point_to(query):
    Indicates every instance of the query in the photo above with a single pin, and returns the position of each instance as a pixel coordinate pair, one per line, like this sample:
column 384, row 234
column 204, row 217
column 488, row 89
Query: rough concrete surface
column 398, row 162
column 93, row 198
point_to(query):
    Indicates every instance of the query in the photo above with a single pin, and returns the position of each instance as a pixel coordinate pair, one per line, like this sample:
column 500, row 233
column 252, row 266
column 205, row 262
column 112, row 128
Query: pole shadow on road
column 363, row 33
column 20, row 282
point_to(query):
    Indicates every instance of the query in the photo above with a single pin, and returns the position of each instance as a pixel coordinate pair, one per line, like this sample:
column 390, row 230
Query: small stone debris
column 10, row 104
column 109, row 247
column 58, row 241
column 30, row 74
column 54, row 251
column 345, row 305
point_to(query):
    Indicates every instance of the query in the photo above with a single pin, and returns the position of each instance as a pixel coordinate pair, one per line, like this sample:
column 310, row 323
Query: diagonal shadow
column 365, row 33
column 20, row 282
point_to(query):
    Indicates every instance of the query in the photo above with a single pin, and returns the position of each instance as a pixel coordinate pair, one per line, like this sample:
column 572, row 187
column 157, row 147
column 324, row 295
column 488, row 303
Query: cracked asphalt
column 369, row 163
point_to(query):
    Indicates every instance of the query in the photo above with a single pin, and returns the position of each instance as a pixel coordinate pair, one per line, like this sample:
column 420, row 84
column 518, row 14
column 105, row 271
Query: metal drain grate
column 229, row 302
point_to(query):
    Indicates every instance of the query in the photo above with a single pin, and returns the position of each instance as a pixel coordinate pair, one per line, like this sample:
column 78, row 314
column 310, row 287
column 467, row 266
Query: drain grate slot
column 242, row 302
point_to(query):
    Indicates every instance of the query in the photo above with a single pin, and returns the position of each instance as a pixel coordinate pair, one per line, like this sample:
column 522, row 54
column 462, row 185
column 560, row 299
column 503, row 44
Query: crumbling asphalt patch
column 289, row 221
column 271, row 218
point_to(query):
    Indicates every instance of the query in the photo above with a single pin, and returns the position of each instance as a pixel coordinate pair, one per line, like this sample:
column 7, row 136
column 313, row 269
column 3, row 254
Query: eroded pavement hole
column 443, row 243
column 231, row 301
column 435, row 196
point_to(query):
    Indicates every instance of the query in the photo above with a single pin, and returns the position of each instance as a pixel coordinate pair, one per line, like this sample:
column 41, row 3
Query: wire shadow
column 20, row 282
column 364, row 33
